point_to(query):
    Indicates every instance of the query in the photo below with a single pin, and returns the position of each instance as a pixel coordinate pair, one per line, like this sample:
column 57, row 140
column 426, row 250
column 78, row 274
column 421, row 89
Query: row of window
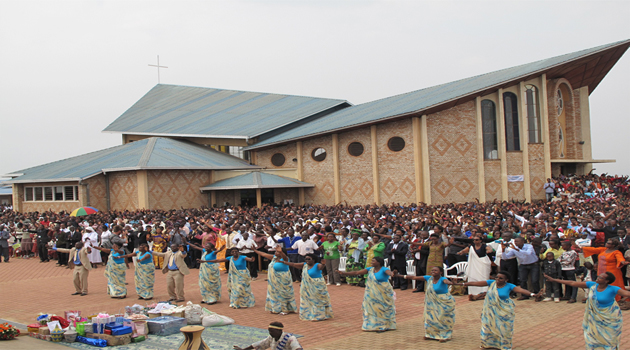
column 511, row 118
column 395, row 144
column 51, row 193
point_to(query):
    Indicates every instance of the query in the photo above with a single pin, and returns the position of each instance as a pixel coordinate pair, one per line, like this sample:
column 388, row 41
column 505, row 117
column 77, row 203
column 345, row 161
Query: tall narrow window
column 533, row 114
column 510, row 107
column 489, row 125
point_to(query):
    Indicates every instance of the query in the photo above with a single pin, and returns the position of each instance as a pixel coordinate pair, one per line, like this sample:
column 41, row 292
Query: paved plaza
column 29, row 287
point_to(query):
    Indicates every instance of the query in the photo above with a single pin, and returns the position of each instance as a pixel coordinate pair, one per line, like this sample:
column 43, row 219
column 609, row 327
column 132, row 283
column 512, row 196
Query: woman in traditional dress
column 609, row 259
column 436, row 251
column 159, row 245
column 602, row 317
column 115, row 271
column 90, row 239
column 379, row 311
column 239, row 280
column 439, row 305
column 374, row 249
column 145, row 273
column 314, row 298
column 497, row 315
column 479, row 265
column 280, row 294
column 355, row 261
column 209, row 277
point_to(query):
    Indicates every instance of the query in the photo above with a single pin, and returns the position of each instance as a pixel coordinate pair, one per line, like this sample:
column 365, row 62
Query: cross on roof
column 158, row 67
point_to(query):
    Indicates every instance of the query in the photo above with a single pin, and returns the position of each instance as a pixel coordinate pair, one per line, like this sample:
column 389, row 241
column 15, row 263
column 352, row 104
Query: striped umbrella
column 83, row 211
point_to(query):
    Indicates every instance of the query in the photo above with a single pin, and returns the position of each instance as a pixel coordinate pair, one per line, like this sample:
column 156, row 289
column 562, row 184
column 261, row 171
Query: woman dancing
column 439, row 305
column 602, row 317
column 379, row 313
column 115, row 270
column 145, row 273
column 209, row 275
column 239, row 280
column 314, row 298
column 497, row 315
column 280, row 294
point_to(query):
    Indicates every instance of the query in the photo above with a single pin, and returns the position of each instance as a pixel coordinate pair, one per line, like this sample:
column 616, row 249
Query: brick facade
column 356, row 179
column 396, row 169
column 537, row 170
column 41, row 206
column 453, row 154
column 516, row 190
column 280, row 194
column 263, row 158
column 177, row 188
column 318, row 173
column 97, row 189
column 123, row 189
column 492, row 171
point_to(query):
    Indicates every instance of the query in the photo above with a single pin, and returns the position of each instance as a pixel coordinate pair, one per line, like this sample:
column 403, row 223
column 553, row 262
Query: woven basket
column 70, row 336
column 174, row 314
column 153, row 315
column 56, row 336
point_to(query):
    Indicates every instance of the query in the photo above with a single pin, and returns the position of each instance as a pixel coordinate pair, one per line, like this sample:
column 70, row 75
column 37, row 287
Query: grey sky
column 68, row 69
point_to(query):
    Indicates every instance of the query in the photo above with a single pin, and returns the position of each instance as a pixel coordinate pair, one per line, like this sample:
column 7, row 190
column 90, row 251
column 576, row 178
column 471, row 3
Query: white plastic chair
column 460, row 270
column 342, row 264
column 411, row 271
column 386, row 262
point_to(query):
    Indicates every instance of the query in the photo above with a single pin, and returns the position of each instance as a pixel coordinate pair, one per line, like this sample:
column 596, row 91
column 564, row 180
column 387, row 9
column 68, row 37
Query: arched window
column 489, row 125
column 512, row 135
column 533, row 114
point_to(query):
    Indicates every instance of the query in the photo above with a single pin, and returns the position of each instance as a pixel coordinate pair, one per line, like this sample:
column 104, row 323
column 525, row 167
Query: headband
column 276, row 327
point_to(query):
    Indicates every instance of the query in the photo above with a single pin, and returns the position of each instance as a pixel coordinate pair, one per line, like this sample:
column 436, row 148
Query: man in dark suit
column 396, row 251
column 421, row 255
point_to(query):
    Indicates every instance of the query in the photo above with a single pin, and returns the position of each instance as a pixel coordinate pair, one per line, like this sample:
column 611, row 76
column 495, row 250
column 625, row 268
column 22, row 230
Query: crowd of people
column 507, row 248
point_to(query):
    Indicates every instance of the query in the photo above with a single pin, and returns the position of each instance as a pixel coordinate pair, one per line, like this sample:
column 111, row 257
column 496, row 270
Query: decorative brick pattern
column 577, row 124
column 177, row 188
column 98, row 196
column 492, row 171
column 356, row 172
column 537, row 170
column 123, row 187
column 280, row 194
column 318, row 173
column 226, row 196
column 396, row 169
column 453, row 154
column 515, row 167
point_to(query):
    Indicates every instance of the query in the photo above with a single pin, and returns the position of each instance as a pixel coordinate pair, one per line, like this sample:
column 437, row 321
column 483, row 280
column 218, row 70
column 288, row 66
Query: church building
column 497, row 135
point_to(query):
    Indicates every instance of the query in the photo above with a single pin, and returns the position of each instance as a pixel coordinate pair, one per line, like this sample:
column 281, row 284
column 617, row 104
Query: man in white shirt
column 246, row 246
column 304, row 247
column 277, row 340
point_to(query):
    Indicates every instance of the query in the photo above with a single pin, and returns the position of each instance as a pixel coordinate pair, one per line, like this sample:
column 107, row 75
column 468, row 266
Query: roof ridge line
column 257, row 179
column 148, row 150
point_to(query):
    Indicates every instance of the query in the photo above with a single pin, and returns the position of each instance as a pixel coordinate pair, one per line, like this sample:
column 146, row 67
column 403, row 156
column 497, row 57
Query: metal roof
column 447, row 95
column 255, row 179
column 173, row 110
column 152, row 153
column 6, row 191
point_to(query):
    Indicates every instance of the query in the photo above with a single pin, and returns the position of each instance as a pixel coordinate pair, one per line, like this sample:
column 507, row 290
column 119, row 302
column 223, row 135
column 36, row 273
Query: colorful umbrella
column 83, row 211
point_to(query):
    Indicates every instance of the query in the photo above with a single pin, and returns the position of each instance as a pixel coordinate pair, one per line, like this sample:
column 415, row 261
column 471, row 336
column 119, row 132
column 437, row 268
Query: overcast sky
column 69, row 68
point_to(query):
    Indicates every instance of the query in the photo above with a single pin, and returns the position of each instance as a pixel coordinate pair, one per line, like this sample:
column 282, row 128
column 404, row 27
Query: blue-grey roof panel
column 150, row 153
column 256, row 179
column 421, row 99
column 183, row 110
column 6, row 190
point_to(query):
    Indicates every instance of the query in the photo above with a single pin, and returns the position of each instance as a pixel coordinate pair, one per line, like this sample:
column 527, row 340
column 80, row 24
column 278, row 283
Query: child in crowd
column 588, row 273
column 553, row 269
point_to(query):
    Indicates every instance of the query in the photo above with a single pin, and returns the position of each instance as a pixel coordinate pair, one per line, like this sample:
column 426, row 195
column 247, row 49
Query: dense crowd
column 580, row 230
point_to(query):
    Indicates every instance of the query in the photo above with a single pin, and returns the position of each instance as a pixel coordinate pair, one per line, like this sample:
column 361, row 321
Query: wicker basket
column 174, row 314
column 153, row 315
column 56, row 336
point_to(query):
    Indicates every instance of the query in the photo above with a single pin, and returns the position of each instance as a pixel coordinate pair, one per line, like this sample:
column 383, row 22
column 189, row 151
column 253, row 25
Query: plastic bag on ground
column 216, row 320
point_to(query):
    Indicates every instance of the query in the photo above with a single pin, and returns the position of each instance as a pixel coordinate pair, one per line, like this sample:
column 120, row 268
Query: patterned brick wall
column 453, row 154
column 356, row 172
column 318, row 173
column 492, row 172
column 577, row 124
column 280, row 194
column 515, row 167
column 226, row 196
column 97, row 189
column 552, row 112
column 537, row 170
column 123, row 187
column 263, row 158
column 396, row 169
column 170, row 189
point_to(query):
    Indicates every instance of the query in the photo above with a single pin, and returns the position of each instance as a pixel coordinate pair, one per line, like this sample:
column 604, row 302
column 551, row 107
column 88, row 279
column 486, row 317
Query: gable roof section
column 182, row 111
column 582, row 68
column 149, row 154
column 255, row 179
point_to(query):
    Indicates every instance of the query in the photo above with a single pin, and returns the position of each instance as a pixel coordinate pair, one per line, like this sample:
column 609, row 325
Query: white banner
column 516, row 178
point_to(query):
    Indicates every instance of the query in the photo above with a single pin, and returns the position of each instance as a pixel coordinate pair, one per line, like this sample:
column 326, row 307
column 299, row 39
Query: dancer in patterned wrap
column 439, row 305
column 239, row 280
column 314, row 298
column 497, row 315
column 379, row 311
column 115, row 271
column 280, row 294
column 602, row 317
column 145, row 273
column 209, row 274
